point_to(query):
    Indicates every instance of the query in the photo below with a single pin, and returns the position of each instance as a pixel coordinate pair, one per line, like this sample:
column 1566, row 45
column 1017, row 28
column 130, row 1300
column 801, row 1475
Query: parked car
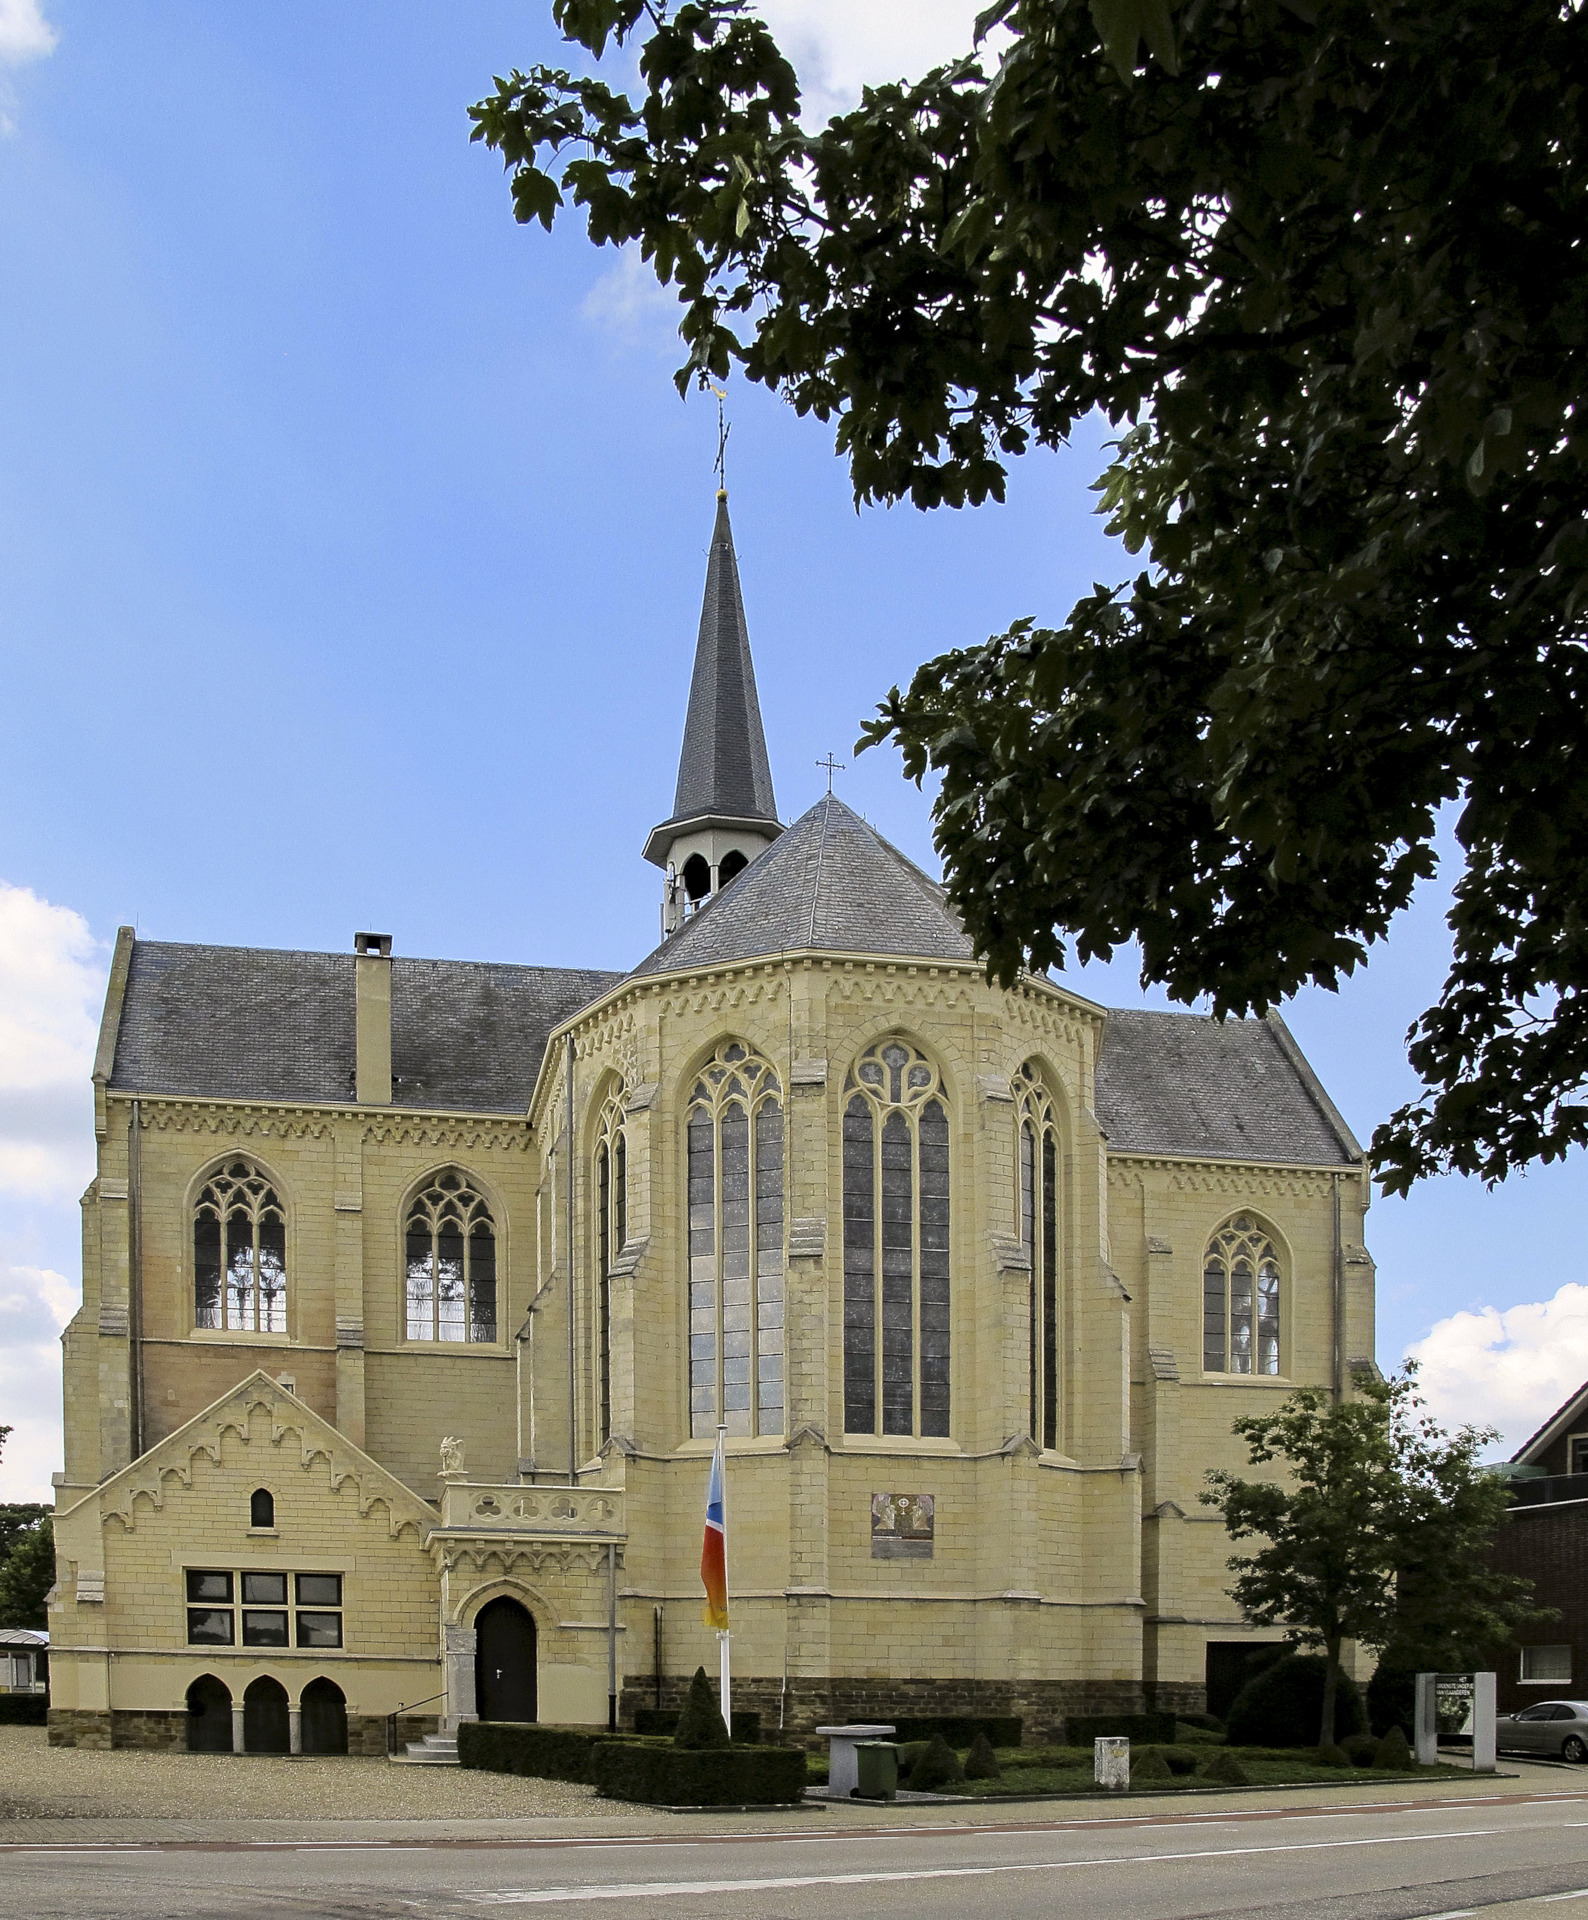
column 1553, row 1726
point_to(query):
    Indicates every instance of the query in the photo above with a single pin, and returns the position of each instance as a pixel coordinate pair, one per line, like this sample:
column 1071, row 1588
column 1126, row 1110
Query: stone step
column 435, row 1750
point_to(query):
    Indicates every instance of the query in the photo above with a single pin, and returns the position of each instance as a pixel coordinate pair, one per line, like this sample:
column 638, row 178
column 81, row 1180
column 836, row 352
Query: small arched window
column 1240, row 1300
column 1040, row 1160
column 261, row 1508
column 612, row 1229
column 240, row 1253
column 736, row 1245
column 733, row 864
column 450, row 1246
column 896, row 1244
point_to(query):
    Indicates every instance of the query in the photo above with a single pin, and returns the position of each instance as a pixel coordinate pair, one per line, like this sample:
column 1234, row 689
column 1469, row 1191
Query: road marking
column 1455, row 1913
column 1580, row 1894
column 658, row 1889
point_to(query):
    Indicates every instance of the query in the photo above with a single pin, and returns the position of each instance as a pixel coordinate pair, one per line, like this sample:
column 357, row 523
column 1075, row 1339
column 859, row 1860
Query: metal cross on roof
column 833, row 766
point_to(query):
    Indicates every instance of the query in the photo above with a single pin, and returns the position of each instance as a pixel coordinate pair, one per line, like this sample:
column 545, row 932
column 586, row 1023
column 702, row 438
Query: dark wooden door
column 504, row 1662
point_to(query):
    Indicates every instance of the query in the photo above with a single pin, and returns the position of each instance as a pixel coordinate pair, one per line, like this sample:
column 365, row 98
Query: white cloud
column 1508, row 1369
column 35, row 1304
column 628, row 302
column 52, row 981
column 24, row 32
column 838, row 46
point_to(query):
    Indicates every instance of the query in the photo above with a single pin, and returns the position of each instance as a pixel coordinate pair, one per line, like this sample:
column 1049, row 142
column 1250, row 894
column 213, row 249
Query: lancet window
column 736, row 1245
column 1041, row 1160
column 896, row 1244
column 612, row 1229
column 240, row 1253
column 1240, row 1300
column 450, row 1262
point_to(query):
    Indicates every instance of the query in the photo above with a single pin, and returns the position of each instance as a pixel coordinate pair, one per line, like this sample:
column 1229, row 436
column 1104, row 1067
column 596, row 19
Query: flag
column 714, row 1550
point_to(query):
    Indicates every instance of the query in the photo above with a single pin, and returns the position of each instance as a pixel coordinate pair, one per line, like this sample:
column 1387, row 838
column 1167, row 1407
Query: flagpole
column 722, row 1637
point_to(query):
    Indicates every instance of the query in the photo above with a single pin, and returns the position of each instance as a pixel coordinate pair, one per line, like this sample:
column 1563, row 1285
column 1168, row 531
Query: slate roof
column 723, row 771
column 1180, row 1083
column 253, row 1023
column 829, row 882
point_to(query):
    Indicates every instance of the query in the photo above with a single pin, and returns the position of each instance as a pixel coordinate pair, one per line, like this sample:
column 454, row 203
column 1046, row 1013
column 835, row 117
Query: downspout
column 573, row 1423
column 135, row 1271
column 1338, row 1299
column 612, row 1636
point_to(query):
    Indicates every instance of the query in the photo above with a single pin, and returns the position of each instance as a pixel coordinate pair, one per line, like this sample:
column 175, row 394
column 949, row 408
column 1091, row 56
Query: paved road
column 1516, row 1856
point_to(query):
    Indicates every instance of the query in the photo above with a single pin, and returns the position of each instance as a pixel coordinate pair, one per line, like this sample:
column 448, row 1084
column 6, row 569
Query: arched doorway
column 265, row 1727
column 324, row 1721
column 209, row 1716
column 504, row 1661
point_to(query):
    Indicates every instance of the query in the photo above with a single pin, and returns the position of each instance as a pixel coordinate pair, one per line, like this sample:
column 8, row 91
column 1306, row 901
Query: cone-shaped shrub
column 1226, row 1770
column 981, row 1763
column 1331, row 1757
column 1151, row 1766
column 936, row 1768
column 1361, row 1747
column 700, row 1723
column 1394, row 1750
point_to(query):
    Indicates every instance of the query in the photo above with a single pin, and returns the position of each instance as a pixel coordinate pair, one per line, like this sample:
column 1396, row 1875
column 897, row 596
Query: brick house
column 1545, row 1540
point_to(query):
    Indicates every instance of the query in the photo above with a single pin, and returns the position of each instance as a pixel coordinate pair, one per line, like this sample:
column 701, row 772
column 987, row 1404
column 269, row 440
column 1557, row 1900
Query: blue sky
column 351, row 545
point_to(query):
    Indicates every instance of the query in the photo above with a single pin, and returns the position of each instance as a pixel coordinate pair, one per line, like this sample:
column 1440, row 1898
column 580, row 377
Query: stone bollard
column 1111, row 1764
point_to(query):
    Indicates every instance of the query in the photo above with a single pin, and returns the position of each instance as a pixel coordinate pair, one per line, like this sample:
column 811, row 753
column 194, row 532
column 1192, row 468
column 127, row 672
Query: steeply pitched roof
column 1180, row 1083
column 253, row 1023
column 830, row 882
column 1564, row 1419
column 723, row 771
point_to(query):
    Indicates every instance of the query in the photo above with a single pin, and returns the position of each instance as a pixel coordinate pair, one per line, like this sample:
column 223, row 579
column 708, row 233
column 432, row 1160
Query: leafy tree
column 1379, row 1533
column 26, row 1577
column 17, row 1517
column 1322, row 269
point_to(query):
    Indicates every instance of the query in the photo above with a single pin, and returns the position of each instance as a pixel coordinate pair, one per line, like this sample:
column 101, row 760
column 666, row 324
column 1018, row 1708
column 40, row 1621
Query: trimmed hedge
column 663, row 1721
column 1150, row 1729
column 545, row 1753
column 24, row 1710
column 709, row 1777
column 959, row 1730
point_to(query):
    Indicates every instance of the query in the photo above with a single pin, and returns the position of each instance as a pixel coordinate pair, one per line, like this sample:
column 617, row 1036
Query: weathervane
column 833, row 766
column 723, row 430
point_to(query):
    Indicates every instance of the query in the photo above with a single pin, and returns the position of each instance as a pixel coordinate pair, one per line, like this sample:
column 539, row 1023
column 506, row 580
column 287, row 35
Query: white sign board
column 1111, row 1764
column 1459, row 1704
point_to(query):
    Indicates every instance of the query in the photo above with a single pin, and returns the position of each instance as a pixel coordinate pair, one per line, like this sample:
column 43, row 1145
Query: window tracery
column 240, row 1253
column 1040, row 1160
column 450, row 1262
column 612, row 1206
column 1240, row 1299
column 735, row 1154
column 896, row 1244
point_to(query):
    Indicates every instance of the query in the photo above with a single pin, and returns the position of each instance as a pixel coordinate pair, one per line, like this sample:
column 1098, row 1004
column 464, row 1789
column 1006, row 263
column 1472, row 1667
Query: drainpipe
column 135, row 1272
column 573, row 1427
column 1338, row 1292
column 612, row 1636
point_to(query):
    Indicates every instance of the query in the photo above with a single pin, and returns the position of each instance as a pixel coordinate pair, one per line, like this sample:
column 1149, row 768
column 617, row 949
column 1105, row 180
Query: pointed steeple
column 724, row 811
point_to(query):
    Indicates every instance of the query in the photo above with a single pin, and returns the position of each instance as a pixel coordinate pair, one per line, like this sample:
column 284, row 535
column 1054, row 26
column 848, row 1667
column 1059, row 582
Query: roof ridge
column 329, row 953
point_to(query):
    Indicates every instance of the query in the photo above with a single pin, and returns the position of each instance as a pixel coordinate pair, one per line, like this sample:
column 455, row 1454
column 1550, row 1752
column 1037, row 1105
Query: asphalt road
column 1512, row 1855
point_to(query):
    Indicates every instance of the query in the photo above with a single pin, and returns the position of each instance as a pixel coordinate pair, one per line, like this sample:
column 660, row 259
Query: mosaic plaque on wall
column 901, row 1526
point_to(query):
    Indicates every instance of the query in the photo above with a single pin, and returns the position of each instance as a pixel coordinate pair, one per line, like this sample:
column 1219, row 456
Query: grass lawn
column 1069, row 1770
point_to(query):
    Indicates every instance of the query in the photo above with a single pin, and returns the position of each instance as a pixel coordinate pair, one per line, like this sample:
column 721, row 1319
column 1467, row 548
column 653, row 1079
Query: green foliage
column 1322, row 271
column 1081, row 1729
column 699, row 1777
column 1392, row 1695
column 1360, row 1748
column 1394, row 1750
column 1224, row 1769
column 958, row 1729
column 981, row 1763
column 1379, row 1532
column 1283, row 1705
column 1179, row 1760
column 24, row 1710
column 664, row 1720
column 26, row 1577
column 937, row 1768
column 16, row 1518
column 542, row 1752
column 1151, row 1765
column 700, row 1724
column 1332, row 1756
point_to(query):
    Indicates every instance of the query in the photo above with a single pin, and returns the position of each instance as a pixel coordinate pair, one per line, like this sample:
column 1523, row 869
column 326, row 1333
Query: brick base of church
column 166, row 1731
column 1043, row 1705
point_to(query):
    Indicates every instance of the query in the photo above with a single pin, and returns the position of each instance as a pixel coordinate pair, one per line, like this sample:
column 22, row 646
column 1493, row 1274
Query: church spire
column 724, row 811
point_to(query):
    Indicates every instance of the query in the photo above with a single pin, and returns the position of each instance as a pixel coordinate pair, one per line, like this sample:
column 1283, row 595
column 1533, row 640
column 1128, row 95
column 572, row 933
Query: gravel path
column 41, row 1782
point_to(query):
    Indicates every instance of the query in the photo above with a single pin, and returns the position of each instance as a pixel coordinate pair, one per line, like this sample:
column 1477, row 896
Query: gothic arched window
column 1240, row 1300
column 450, row 1262
column 240, row 1253
column 612, row 1227
column 736, row 1245
column 1040, row 1163
column 896, row 1244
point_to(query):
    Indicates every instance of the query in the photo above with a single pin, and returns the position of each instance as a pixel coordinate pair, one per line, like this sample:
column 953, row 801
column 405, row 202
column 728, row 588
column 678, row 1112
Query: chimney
column 372, row 996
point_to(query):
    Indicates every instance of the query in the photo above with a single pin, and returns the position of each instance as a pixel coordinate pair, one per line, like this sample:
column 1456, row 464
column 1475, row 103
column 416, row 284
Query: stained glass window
column 1240, row 1300
column 450, row 1246
column 240, row 1253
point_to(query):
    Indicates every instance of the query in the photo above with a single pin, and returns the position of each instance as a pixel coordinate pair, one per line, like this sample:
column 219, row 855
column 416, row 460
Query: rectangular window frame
column 1527, row 1655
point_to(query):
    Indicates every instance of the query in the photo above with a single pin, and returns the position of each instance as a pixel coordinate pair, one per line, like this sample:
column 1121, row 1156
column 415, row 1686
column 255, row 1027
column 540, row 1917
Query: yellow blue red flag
column 714, row 1550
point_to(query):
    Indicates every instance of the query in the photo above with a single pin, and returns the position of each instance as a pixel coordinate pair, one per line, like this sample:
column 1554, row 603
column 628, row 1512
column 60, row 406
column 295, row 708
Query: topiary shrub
column 981, row 1763
column 1178, row 1760
column 1151, row 1766
column 937, row 1768
column 1332, row 1756
column 699, row 1777
column 1283, row 1705
column 1203, row 1722
column 1150, row 1729
column 700, row 1724
column 1394, row 1752
column 664, row 1720
column 1392, row 1699
column 909, row 1754
column 1360, row 1747
column 1225, row 1770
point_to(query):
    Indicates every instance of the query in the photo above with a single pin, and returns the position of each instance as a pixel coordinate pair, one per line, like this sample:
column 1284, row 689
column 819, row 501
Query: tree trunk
column 1331, row 1682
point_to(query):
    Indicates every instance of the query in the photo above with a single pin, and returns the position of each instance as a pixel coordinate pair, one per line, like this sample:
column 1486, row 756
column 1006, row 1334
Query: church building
column 415, row 1294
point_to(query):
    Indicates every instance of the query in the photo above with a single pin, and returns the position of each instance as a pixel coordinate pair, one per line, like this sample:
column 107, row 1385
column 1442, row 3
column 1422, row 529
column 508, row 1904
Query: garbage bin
column 876, row 1770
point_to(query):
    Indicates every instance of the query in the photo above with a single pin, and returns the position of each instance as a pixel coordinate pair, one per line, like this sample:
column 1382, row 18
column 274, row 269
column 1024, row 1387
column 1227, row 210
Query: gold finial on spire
column 723, row 430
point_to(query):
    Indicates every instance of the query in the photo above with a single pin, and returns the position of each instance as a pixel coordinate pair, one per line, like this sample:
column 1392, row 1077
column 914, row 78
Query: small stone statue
column 451, row 1458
